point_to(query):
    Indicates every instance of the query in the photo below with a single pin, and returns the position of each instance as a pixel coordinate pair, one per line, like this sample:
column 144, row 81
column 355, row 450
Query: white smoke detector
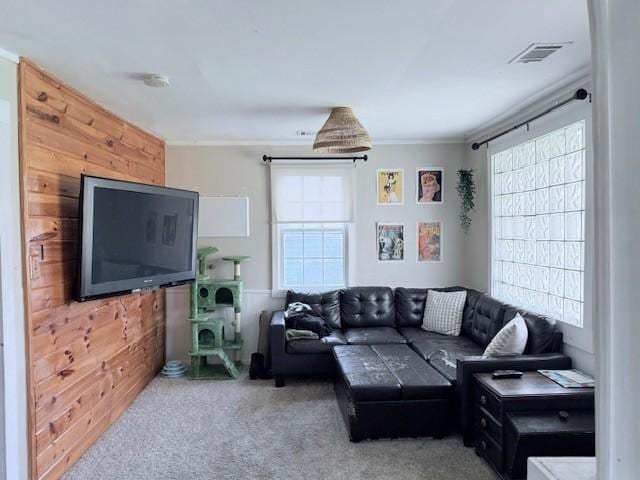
column 156, row 80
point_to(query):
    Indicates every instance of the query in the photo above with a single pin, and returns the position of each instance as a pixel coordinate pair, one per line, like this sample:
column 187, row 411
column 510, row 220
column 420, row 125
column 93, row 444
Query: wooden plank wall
column 87, row 361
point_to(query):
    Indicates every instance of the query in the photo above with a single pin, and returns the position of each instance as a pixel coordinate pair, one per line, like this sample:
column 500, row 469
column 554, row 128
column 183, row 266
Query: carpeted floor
column 243, row 429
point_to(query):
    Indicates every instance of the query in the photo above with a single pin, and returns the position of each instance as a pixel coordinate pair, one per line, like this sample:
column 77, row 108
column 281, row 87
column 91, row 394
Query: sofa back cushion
column 483, row 317
column 367, row 307
column 326, row 304
column 543, row 333
column 410, row 306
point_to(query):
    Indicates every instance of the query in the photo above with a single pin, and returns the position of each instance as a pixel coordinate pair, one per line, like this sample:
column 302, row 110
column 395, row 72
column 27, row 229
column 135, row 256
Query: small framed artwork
column 390, row 186
column 429, row 183
column 429, row 241
column 390, row 237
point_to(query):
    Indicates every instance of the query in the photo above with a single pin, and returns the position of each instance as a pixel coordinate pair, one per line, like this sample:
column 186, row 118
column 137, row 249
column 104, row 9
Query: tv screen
column 134, row 237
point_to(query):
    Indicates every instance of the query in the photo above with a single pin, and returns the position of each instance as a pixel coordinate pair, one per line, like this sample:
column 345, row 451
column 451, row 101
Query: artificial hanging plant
column 466, row 190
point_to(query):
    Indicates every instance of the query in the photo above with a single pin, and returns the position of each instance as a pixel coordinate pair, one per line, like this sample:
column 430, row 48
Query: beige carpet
column 243, row 429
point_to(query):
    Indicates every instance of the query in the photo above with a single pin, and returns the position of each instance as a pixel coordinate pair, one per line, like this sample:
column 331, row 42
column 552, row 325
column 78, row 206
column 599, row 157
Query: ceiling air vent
column 537, row 52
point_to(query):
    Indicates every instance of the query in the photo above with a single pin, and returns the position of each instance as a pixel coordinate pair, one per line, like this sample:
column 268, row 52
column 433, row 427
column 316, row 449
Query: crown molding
column 529, row 105
column 232, row 143
column 419, row 141
column 7, row 55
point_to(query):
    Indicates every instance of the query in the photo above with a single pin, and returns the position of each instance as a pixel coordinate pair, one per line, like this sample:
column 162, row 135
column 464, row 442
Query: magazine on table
column 569, row 378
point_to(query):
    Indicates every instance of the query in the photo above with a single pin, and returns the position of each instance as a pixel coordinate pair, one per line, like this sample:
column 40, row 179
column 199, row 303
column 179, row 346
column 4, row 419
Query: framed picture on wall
column 429, row 241
column 390, row 186
column 429, row 185
column 390, row 242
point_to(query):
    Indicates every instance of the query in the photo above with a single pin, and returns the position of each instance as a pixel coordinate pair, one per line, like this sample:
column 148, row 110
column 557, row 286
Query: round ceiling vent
column 156, row 80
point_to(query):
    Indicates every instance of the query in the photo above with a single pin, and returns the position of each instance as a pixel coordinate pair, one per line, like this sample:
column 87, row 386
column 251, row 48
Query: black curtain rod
column 266, row 158
column 580, row 94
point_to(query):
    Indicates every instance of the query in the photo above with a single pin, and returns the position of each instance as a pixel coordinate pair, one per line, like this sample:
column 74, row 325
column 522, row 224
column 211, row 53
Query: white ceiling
column 258, row 70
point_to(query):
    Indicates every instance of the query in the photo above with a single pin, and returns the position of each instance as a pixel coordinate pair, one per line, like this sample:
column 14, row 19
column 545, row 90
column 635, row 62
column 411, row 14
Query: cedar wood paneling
column 86, row 361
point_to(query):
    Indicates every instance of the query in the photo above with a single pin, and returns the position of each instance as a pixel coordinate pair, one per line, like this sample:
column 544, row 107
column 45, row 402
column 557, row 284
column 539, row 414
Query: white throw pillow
column 510, row 340
column 443, row 312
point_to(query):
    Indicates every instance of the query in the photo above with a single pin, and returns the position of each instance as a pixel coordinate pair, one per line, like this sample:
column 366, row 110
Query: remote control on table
column 498, row 374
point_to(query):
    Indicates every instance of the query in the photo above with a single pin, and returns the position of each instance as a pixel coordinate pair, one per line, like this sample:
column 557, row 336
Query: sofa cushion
column 418, row 380
column 426, row 343
column 483, row 317
column 541, row 330
column 410, row 306
column 326, row 304
column 372, row 336
column 367, row 307
column 321, row 345
column 429, row 346
column 365, row 374
column 445, row 366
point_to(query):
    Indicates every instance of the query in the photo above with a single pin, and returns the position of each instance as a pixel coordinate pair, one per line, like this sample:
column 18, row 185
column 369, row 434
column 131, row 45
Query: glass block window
column 312, row 256
column 538, row 239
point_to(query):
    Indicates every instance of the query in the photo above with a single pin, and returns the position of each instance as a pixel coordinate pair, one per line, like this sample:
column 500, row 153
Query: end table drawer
column 489, row 450
column 489, row 402
column 489, row 425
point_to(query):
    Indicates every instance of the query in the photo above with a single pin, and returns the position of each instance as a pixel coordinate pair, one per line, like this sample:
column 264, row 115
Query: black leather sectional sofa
column 392, row 377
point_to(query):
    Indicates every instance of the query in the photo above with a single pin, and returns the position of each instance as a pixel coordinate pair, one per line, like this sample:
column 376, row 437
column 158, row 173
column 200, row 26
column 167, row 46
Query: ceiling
column 256, row 70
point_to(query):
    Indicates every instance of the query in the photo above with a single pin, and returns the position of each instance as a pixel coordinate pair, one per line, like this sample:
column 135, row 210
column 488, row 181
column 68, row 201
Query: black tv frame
column 85, row 290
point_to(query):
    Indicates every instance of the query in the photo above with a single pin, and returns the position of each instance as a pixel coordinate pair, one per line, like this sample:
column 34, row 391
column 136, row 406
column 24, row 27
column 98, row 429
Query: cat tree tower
column 208, row 297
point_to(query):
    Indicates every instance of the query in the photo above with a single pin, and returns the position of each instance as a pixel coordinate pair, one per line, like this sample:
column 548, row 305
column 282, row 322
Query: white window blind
column 538, row 240
column 312, row 194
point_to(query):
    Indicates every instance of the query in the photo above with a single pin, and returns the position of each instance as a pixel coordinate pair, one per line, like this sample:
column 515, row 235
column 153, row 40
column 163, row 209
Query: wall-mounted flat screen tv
column 134, row 237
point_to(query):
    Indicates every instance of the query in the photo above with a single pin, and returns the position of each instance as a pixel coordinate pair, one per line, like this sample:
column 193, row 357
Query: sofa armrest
column 277, row 337
column 468, row 366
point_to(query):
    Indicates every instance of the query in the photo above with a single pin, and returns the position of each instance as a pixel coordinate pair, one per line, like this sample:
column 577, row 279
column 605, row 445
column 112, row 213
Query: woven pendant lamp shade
column 342, row 133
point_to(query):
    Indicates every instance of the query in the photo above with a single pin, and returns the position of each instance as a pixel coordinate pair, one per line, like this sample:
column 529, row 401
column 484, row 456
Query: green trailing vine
column 466, row 190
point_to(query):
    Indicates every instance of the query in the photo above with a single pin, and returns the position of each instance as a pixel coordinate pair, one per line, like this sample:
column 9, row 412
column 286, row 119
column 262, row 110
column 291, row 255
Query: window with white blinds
column 538, row 238
column 312, row 207
column 312, row 194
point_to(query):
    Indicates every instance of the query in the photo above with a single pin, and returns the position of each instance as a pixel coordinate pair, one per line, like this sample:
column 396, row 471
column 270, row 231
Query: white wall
column 11, row 296
column 615, row 37
column 239, row 170
column 409, row 273
column 578, row 341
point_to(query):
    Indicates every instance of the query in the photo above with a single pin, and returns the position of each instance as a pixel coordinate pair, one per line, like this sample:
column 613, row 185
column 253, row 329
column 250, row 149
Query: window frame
column 277, row 260
column 277, row 238
column 579, row 337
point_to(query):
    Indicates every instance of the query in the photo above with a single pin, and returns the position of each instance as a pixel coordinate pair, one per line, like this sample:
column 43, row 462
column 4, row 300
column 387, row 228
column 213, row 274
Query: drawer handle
column 483, row 445
column 483, row 399
column 483, row 422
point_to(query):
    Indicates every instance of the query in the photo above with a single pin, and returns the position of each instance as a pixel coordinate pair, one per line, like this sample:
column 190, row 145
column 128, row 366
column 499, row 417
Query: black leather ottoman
column 388, row 391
